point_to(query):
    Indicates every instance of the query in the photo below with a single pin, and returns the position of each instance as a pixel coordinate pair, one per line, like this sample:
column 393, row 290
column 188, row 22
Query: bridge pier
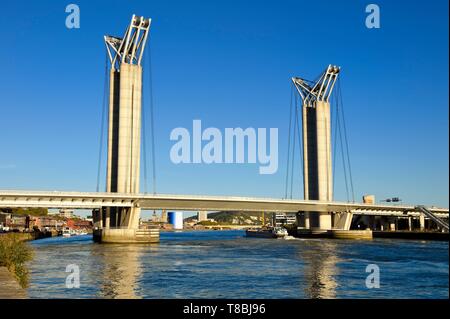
column 123, row 228
column 126, row 235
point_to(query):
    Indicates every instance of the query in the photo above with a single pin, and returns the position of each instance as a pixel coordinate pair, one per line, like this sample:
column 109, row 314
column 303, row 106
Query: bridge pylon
column 317, row 161
column 124, row 131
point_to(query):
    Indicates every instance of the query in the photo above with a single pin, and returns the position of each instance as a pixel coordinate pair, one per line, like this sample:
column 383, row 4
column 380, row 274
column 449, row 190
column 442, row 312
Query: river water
column 226, row 264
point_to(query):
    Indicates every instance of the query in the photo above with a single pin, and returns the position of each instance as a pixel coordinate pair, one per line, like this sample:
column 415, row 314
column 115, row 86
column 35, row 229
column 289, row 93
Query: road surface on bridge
column 91, row 200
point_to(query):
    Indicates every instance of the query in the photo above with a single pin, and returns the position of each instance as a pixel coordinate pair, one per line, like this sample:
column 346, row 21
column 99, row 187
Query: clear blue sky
column 229, row 64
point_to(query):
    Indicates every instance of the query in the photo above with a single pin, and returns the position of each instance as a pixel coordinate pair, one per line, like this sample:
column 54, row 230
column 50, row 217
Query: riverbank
column 14, row 254
column 34, row 235
column 10, row 288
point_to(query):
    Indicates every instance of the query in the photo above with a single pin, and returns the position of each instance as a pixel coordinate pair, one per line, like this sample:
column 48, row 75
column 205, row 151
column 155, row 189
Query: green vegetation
column 26, row 211
column 14, row 253
column 238, row 218
column 207, row 223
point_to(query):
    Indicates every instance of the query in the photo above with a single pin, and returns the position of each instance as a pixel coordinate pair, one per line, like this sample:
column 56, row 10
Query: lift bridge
column 117, row 211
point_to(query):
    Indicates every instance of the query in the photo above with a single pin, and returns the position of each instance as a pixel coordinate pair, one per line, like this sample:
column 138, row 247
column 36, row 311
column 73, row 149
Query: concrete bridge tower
column 124, row 125
column 317, row 162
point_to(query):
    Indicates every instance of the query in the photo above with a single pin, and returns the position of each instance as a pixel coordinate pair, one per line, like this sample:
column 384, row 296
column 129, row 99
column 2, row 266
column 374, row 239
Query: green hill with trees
column 237, row 218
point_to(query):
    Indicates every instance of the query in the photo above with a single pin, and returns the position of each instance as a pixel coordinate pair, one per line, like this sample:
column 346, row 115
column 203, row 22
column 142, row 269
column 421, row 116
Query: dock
column 417, row 235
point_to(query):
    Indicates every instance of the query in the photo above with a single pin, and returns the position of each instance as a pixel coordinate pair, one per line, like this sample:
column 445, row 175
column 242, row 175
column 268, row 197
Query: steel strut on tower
column 321, row 90
column 130, row 48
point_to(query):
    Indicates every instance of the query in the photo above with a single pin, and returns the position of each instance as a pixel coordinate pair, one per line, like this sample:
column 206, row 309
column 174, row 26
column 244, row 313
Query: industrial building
column 280, row 219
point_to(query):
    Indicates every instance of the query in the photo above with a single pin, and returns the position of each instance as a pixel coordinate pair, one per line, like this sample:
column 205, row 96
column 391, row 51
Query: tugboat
column 280, row 232
column 66, row 232
column 267, row 232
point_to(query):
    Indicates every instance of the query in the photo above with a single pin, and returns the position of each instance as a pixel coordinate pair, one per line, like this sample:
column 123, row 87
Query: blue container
column 171, row 217
column 176, row 219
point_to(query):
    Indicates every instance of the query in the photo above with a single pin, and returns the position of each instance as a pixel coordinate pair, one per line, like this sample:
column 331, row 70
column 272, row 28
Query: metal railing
column 432, row 216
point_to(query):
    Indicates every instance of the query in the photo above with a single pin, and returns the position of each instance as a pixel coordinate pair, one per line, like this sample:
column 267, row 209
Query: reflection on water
column 225, row 264
column 121, row 270
column 321, row 270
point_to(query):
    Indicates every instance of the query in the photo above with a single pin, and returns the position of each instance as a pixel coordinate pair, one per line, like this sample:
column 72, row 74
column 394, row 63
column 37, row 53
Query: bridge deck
column 90, row 200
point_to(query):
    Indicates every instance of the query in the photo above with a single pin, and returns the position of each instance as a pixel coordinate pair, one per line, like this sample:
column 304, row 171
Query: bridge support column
column 303, row 220
column 107, row 217
column 422, row 222
column 97, row 218
column 307, row 221
column 325, row 221
column 318, row 184
column 392, row 224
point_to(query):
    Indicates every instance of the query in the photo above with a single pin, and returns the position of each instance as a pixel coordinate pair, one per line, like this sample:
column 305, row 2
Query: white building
column 66, row 213
column 202, row 215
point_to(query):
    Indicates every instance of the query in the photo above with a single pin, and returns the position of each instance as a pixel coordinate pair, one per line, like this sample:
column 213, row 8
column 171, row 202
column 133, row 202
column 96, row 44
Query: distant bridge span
column 92, row 200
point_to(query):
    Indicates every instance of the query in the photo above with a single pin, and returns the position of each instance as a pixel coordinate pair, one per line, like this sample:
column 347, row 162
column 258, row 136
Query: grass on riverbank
column 14, row 253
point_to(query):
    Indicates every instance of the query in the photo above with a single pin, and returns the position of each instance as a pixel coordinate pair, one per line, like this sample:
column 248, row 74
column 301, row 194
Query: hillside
column 237, row 218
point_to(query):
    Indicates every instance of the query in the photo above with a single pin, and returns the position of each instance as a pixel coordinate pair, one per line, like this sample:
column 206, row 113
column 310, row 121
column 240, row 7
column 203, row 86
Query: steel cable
column 102, row 126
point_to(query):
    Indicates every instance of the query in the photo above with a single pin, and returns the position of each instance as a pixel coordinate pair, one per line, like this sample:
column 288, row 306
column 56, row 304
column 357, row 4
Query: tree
column 26, row 211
